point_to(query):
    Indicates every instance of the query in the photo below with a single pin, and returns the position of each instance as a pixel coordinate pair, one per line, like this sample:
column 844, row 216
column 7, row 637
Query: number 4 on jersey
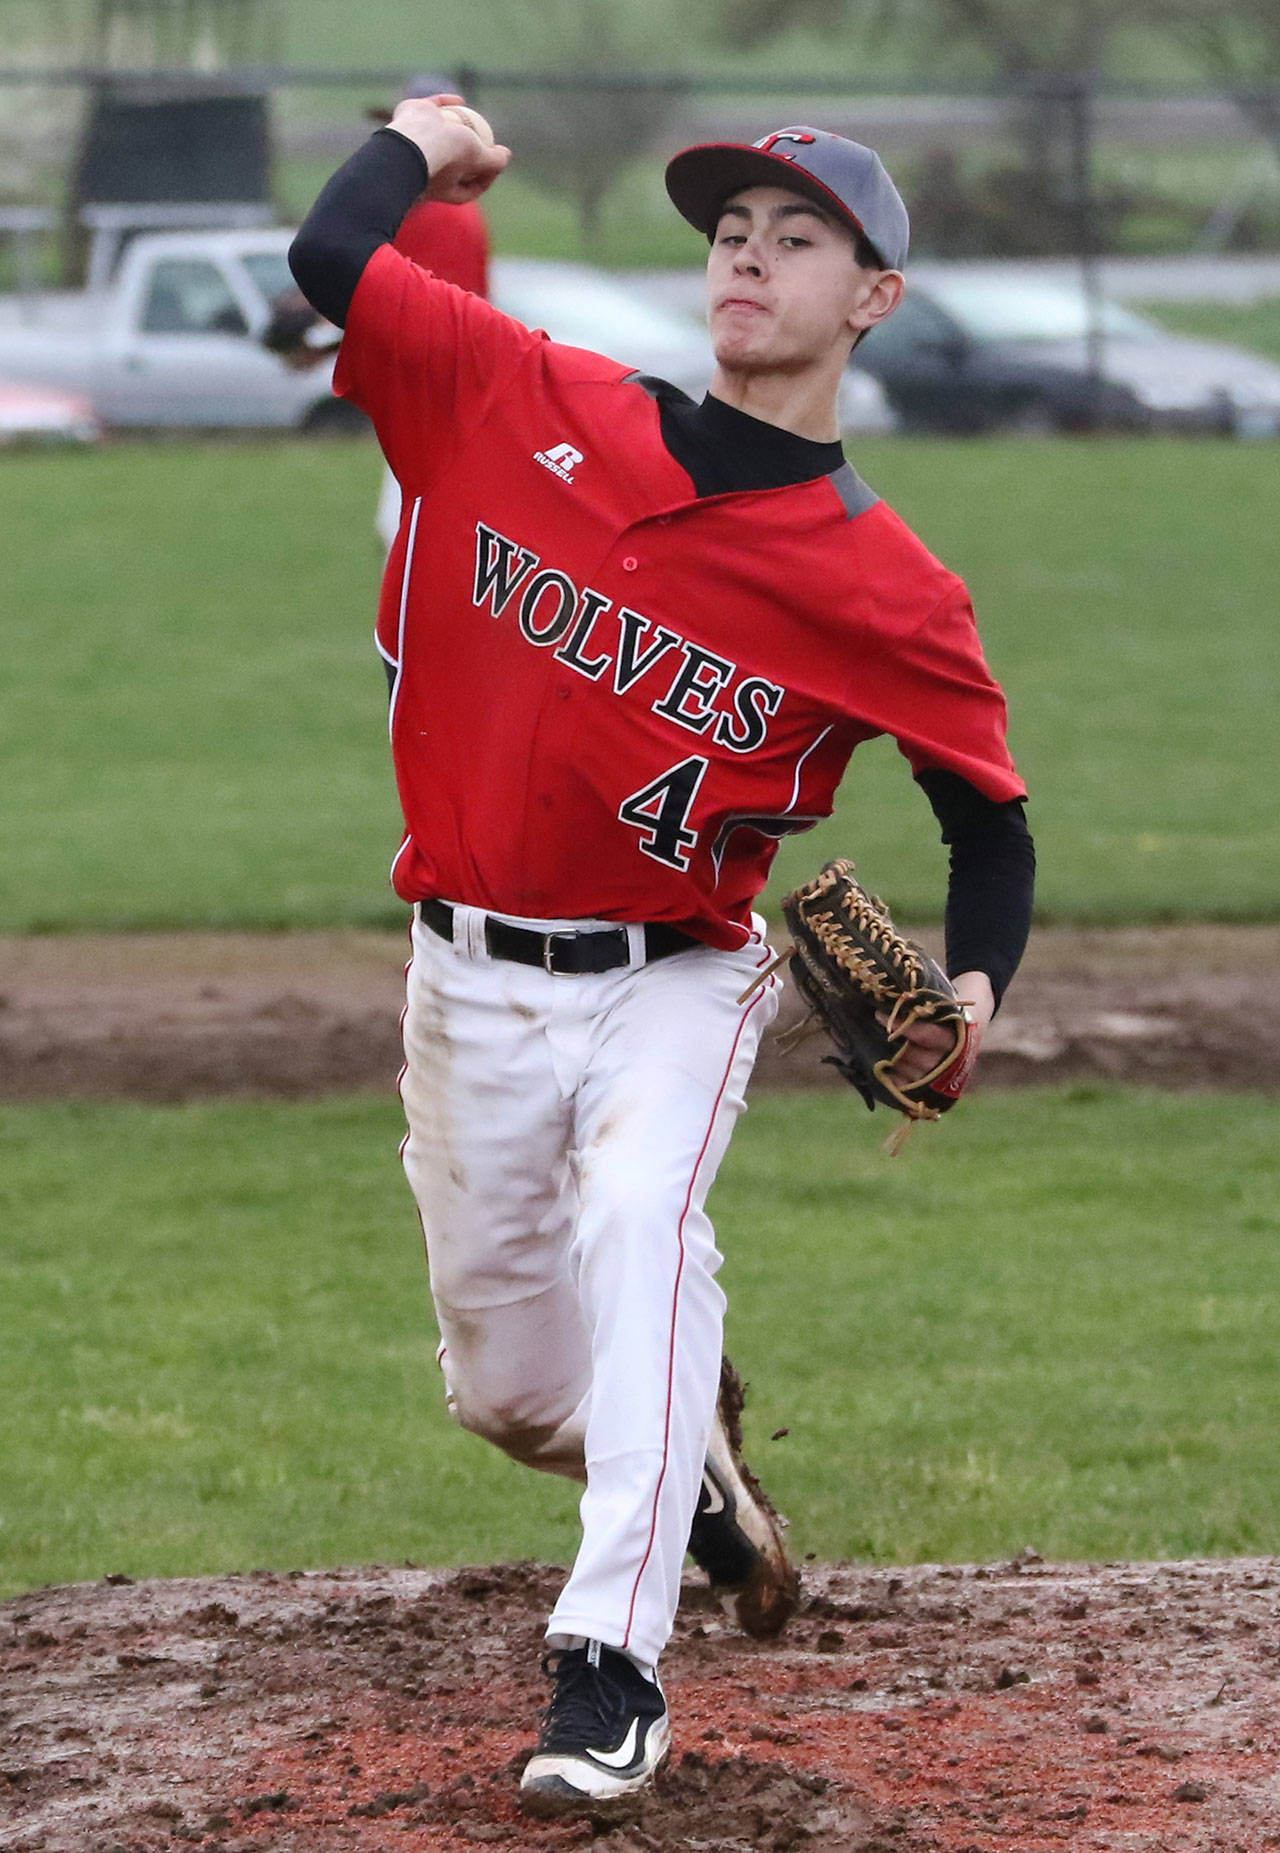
column 660, row 812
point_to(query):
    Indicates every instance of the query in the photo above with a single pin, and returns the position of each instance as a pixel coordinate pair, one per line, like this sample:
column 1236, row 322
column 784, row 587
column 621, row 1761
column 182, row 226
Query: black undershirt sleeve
column 361, row 208
column 992, row 884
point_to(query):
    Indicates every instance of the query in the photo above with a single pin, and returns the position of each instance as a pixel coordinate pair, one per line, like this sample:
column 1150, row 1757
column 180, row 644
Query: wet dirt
column 176, row 1016
column 1015, row 1708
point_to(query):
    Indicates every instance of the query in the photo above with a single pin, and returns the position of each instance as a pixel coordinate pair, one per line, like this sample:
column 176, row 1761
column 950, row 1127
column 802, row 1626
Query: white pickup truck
column 174, row 338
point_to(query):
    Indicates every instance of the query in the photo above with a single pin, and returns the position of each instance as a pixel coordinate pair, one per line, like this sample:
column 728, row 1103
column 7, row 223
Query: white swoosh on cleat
column 715, row 1500
column 619, row 1758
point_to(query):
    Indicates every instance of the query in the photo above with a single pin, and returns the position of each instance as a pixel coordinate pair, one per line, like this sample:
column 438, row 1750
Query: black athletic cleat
column 603, row 1735
column 737, row 1536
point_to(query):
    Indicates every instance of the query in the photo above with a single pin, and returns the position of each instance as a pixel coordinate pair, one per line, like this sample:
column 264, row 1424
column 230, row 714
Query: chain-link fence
column 1048, row 168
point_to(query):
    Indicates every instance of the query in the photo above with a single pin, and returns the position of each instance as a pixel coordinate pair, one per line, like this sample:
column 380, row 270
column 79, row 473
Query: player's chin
column 743, row 351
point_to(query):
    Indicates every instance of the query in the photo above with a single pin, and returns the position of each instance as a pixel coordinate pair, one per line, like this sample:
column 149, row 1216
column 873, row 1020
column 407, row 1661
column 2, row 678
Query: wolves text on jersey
column 553, row 613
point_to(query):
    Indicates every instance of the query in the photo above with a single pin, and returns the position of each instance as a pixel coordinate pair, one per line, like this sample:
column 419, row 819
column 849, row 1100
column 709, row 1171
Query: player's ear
column 881, row 299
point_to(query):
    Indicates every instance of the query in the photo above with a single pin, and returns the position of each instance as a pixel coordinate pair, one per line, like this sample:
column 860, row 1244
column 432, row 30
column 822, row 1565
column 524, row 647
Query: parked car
column 967, row 353
column 588, row 308
column 585, row 307
column 43, row 415
column 174, row 338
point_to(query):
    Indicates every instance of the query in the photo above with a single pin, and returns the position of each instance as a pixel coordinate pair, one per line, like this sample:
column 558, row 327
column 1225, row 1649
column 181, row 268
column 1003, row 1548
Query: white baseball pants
column 563, row 1134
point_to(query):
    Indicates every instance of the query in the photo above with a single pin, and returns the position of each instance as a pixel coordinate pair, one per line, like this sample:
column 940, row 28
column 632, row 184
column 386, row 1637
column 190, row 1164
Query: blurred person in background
column 452, row 242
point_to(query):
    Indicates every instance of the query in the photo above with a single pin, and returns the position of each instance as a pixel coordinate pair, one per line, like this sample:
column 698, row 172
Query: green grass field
column 1254, row 325
column 1050, row 1322
column 637, row 230
column 192, row 716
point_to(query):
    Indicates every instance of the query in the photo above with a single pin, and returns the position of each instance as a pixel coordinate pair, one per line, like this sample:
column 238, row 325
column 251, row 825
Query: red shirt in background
column 450, row 241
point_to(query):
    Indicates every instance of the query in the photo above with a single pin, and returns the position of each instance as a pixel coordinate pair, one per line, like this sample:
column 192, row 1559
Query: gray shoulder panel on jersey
column 655, row 387
column 856, row 495
column 647, row 380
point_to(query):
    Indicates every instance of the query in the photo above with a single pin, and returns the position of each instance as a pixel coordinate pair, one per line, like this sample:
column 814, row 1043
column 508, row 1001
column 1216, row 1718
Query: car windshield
column 270, row 271
column 583, row 310
column 990, row 312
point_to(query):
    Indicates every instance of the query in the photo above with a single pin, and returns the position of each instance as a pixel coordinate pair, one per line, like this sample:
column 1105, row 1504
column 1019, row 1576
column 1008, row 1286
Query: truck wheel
column 1033, row 419
column 334, row 418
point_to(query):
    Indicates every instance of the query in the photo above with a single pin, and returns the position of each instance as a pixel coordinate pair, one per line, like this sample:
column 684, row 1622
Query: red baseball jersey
column 613, row 698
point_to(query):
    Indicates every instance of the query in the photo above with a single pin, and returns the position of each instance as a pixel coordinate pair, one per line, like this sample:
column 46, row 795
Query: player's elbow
column 325, row 273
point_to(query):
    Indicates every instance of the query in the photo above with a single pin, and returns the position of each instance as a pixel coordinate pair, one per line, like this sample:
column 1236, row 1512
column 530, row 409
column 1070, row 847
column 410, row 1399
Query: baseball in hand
column 473, row 119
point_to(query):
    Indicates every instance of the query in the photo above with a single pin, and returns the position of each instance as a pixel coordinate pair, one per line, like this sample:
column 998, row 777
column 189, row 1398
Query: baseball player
column 634, row 642
column 452, row 242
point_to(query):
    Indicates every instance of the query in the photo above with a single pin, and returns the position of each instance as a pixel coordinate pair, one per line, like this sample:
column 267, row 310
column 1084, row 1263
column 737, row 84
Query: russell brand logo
column 562, row 460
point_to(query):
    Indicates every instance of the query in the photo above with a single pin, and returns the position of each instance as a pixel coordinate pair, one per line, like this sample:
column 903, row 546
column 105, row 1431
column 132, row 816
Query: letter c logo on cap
column 768, row 145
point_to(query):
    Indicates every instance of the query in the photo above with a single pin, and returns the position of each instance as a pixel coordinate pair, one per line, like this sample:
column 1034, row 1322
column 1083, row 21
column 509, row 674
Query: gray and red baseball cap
column 846, row 178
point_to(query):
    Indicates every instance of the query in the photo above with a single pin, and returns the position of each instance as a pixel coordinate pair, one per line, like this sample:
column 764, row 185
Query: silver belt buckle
column 549, row 953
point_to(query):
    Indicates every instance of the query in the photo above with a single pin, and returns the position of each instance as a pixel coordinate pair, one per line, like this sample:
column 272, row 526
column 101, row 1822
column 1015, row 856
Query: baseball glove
column 852, row 966
column 298, row 333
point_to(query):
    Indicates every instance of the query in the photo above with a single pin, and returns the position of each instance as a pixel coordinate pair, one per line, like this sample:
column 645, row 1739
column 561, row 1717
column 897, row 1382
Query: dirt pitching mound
column 1019, row 1708
column 182, row 1015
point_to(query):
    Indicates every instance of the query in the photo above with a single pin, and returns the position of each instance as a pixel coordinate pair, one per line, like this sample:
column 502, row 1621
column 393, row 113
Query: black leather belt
column 568, row 954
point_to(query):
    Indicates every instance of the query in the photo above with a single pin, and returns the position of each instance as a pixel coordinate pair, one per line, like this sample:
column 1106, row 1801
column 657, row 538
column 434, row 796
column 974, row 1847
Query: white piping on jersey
column 391, row 872
column 795, row 789
column 759, row 821
column 398, row 660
